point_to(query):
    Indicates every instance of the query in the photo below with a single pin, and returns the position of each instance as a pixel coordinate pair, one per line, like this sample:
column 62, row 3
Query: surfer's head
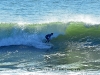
column 51, row 33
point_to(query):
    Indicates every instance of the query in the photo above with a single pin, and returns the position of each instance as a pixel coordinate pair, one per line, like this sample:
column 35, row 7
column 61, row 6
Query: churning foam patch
column 29, row 40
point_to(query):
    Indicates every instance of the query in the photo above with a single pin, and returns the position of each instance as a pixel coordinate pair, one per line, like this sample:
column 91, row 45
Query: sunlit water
column 22, row 51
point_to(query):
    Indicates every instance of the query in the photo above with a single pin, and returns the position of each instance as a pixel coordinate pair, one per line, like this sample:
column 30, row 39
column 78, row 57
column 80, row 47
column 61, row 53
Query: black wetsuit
column 48, row 37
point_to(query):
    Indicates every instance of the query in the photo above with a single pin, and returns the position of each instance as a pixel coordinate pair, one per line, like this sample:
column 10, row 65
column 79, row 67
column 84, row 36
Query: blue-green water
column 76, row 39
column 39, row 11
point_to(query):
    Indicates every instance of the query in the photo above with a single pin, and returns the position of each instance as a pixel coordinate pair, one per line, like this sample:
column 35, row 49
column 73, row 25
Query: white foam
column 51, row 73
column 90, row 19
column 85, row 18
column 24, row 39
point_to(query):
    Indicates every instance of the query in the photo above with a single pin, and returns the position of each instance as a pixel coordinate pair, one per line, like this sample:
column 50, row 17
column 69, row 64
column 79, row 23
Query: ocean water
column 75, row 46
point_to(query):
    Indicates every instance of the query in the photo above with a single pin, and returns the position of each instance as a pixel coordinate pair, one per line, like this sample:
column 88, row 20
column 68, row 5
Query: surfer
column 48, row 37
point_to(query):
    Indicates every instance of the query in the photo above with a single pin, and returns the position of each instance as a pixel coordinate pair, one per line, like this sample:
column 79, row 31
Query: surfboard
column 49, row 44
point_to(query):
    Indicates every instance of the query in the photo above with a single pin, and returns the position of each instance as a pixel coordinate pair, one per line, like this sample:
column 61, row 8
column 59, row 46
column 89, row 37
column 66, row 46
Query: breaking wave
column 33, row 34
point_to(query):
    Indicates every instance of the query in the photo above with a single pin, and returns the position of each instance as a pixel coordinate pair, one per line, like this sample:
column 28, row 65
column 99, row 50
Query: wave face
column 28, row 34
column 34, row 34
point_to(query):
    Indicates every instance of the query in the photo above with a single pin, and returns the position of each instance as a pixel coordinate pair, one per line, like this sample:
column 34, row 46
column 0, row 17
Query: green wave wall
column 6, row 29
column 80, row 30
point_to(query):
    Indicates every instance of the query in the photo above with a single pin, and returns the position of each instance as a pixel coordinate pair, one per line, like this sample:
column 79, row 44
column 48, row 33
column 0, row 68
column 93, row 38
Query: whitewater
column 76, row 39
